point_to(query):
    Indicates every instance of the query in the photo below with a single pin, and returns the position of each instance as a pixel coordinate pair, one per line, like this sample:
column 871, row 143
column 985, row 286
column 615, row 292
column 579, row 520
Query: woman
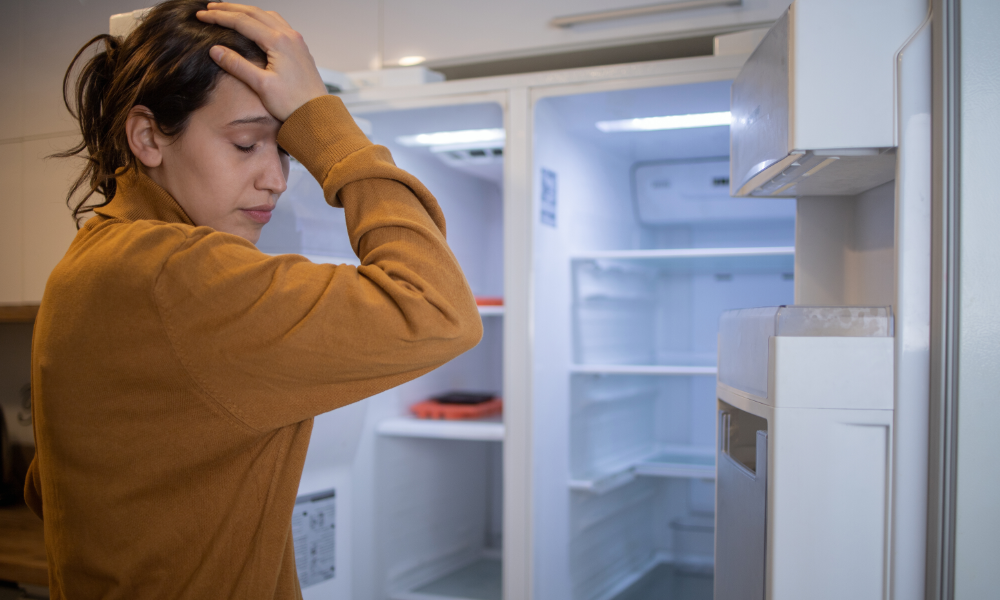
column 177, row 369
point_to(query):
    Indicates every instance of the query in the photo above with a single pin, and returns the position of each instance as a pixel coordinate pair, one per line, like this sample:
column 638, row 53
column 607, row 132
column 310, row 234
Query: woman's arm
column 276, row 340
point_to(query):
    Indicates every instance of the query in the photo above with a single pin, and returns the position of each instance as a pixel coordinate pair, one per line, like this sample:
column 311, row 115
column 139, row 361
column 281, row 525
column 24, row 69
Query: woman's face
column 226, row 169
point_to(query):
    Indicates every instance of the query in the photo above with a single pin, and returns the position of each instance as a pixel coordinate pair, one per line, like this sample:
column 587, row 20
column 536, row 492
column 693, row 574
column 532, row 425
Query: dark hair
column 163, row 65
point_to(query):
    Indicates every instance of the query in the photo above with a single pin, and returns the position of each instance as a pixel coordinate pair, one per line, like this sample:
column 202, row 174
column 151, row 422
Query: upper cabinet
column 457, row 31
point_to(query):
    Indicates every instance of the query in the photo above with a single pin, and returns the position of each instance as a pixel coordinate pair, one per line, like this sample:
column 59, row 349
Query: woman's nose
column 274, row 177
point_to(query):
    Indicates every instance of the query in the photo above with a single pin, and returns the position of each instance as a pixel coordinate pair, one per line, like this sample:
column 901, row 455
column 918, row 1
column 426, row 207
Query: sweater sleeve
column 277, row 340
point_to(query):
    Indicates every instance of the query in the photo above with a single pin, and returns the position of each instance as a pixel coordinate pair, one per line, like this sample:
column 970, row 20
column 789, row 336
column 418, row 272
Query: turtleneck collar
column 140, row 198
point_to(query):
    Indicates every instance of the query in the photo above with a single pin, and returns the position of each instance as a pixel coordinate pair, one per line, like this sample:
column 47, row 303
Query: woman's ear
column 143, row 136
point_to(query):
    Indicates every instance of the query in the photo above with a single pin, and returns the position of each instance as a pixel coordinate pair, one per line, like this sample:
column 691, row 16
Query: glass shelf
column 644, row 369
column 480, row 580
column 673, row 461
column 491, row 311
column 484, row 430
column 682, row 462
column 701, row 260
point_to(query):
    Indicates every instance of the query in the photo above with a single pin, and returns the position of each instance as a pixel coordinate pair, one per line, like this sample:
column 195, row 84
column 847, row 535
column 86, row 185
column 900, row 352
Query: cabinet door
column 456, row 31
column 342, row 34
column 48, row 227
column 10, row 224
column 10, row 71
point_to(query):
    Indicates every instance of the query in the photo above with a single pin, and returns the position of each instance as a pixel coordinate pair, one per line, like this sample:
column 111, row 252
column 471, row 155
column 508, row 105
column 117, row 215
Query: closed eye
column 246, row 149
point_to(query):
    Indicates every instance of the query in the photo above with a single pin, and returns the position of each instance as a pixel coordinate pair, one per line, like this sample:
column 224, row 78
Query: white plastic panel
column 759, row 130
column 743, row 349
column 842, row 70
column 844, row 372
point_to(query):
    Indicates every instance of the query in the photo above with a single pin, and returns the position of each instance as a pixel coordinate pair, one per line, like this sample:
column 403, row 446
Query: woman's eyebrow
column 262, row 119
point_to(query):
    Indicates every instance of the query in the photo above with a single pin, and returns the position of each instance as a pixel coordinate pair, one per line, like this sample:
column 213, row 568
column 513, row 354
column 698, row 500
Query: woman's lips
column 260, row 214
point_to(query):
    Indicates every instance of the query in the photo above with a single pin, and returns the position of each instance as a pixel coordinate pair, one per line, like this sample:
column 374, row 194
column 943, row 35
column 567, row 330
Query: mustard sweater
column 176, row 371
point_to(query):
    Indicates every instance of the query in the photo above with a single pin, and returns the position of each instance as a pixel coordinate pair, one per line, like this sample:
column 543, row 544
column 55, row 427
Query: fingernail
column 217, row 52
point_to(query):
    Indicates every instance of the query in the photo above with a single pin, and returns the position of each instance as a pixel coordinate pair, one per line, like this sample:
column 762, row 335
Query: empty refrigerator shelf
column 485, row 430
column 643, row 369
column 673, row 461
column 480, row 580
column 664, row 580
column 704, row 260
column 491, row 311
column 680, row 462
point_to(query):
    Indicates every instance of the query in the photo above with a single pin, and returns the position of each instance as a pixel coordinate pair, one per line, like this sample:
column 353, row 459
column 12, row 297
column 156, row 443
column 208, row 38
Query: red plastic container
column 432, row 409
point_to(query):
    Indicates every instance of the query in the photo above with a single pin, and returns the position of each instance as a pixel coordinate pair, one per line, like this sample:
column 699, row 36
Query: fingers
column 239, row 67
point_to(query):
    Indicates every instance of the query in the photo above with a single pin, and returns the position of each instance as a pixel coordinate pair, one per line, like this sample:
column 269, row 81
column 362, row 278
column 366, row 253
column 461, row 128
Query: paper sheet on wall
column 314, row 534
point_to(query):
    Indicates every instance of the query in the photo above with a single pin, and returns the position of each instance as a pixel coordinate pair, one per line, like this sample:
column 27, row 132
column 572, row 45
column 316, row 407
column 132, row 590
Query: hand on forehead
column 290, row 78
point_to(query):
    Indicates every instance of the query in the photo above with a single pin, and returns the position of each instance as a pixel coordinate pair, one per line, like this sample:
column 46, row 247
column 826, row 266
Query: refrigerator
column 617, row 234
column 615, row 253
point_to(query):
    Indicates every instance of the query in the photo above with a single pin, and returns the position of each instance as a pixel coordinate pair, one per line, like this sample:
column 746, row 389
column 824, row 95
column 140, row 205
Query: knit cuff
column 321, row 133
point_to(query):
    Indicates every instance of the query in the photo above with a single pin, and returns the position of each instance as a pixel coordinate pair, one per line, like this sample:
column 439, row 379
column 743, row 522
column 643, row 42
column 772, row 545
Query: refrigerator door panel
column 740, row 530
column 629, row 283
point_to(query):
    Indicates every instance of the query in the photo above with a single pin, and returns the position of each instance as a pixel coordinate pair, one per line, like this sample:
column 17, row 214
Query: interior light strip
column 670, row 122
column 444, row 138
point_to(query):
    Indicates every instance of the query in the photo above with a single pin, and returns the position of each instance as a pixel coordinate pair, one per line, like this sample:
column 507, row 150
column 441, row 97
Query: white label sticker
column 548, row 212
column 314, row 533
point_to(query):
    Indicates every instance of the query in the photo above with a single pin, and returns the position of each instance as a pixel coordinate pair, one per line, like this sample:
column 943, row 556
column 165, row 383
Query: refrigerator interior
column 638, row 250
column 422, row 499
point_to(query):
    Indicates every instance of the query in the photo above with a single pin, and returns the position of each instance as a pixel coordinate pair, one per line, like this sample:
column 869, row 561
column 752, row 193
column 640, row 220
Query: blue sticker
column 548, row 214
